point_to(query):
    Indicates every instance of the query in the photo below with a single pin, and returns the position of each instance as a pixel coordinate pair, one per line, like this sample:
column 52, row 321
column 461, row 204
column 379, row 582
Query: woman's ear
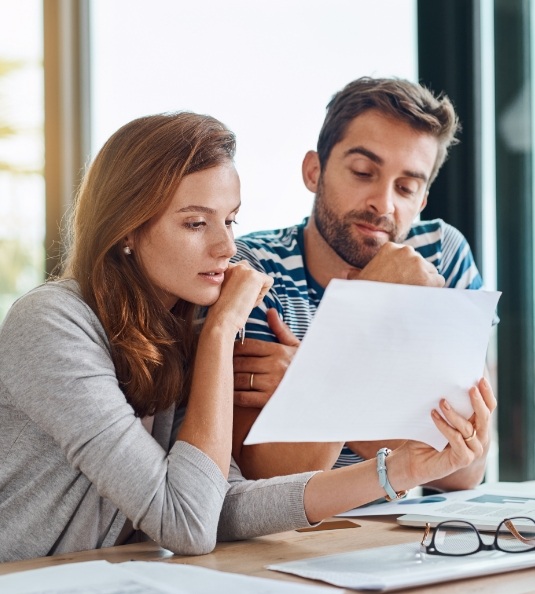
column 311, row 170
column 128, row 244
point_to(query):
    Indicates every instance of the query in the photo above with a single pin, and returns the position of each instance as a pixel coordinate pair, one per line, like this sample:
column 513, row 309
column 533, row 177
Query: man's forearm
column 276, row 459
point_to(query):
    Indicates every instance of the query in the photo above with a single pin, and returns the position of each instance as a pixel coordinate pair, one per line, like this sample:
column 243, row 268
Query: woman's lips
column 213, row 277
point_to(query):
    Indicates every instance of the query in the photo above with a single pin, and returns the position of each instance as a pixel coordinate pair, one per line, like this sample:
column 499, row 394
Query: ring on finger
column 467, row 439
column 251, row 380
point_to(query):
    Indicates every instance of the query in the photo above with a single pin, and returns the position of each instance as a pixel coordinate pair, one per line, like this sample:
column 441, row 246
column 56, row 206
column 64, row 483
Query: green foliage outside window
column 21, row 255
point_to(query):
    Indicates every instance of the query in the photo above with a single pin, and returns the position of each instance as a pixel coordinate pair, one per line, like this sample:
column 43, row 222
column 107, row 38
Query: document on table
column 142, row 577
column 401, row 566
column 376, row 359
column 485, row 506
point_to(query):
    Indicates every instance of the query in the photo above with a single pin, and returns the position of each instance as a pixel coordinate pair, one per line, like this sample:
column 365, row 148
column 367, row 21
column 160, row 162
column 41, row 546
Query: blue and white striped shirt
column 296, row 295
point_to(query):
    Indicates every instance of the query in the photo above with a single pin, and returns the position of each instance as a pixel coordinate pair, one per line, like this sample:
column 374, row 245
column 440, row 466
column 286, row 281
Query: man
column 381, row 146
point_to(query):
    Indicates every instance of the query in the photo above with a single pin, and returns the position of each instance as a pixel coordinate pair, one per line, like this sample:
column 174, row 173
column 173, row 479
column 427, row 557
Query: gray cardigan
column 79, row 471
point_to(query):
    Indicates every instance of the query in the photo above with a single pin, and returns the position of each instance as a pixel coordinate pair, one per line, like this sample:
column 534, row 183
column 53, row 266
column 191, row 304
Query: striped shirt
column 296, row 295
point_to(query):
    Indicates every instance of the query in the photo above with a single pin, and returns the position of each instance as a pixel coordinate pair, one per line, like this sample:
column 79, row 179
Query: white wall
column 266, row 69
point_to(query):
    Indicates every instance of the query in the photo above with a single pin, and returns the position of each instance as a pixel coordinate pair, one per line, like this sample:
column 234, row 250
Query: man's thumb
column 280, row 329
column 354, row 273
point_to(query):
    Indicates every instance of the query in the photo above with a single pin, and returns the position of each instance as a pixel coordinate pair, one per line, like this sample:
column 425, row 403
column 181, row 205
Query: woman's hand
column 242, row 290
column 462, row 462
column 209, row 416
column 413, row 463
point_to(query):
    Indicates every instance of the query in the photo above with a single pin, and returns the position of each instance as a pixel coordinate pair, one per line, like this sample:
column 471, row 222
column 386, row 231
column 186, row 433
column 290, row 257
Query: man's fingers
column 252, row 347
column 242, row 381
column 280, row 329
column 249, row 399
column 354, row 274
column 437, row 280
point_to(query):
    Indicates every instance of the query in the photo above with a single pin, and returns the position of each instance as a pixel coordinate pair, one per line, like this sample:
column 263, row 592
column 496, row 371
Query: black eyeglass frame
column 431, row 549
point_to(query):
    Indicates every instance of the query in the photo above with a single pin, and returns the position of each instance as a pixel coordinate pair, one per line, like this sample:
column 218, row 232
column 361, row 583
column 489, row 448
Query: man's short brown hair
column 397, row 98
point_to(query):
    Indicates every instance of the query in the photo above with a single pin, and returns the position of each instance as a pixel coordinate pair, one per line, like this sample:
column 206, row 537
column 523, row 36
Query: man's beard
column 338, row 232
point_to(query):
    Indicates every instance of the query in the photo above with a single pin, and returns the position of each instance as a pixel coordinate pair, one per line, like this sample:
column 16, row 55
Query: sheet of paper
column 401, row 566
column 375, row 360
column 140, row 577
column 90, row 577
column 198, row 580
column 488, row 504
column 412, row 505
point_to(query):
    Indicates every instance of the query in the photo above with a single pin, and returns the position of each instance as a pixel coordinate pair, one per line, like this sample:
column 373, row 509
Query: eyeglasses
column 458, row 537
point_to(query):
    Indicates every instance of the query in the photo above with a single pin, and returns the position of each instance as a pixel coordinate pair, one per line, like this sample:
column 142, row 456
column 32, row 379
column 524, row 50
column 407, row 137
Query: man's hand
column 401, row 264
column 259, row 366
column 268, row 362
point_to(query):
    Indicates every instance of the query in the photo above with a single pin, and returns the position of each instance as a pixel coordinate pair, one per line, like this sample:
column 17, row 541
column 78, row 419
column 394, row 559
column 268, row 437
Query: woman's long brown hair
column 132, row 179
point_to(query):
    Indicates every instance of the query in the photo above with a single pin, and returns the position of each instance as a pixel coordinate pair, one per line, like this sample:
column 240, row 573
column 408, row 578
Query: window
column 22, row 203
column 267, row 70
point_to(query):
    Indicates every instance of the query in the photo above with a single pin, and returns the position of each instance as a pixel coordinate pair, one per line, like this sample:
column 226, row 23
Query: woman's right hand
column 467, row 448
column 413, row 463
column 242, row 290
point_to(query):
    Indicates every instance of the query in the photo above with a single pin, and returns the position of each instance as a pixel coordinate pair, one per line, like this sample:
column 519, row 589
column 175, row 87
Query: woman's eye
column 196, row 225
column 231, row 222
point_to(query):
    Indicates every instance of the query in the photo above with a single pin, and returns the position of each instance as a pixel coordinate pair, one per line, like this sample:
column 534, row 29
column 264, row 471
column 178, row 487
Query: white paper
column 198, row 580
column 141, row 577
column 376, row 359
column 413, row 505
column 485, row 506
column 91, row 577
column 401, row 566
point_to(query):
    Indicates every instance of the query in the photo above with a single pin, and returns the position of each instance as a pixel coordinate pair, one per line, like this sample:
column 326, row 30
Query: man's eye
column 408, row 189
column 363, row 174
column 231, row 222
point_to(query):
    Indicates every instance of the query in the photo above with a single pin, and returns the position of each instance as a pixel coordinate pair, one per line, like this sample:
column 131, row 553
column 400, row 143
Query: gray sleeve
column 56, row 366
column 267, row 506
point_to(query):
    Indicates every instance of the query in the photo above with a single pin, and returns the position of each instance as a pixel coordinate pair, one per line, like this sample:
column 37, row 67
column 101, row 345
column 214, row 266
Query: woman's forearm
column 208, row 420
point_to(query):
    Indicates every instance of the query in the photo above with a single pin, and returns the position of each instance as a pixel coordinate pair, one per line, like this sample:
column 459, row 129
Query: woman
column 115, row 413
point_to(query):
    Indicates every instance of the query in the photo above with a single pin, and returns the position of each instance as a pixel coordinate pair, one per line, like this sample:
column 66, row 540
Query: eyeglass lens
column 456, row 538
column 459, row 538
column 516, row 535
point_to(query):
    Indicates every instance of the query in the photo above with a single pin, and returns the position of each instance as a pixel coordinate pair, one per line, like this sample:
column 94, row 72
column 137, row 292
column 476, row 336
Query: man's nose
column 381, row 199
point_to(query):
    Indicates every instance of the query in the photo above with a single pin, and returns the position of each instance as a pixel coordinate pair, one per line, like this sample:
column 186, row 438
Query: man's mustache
column 382, row 223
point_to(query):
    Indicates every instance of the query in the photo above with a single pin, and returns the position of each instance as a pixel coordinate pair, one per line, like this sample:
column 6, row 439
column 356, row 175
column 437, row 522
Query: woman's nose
column 224, row 246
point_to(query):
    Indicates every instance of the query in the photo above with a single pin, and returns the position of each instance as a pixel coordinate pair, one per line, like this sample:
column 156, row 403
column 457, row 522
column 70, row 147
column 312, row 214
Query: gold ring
column 251, row 382
column 467, row 439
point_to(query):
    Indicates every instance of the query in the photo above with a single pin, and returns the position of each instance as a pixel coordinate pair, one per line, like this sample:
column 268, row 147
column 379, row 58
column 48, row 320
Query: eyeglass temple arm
column 511, row 527
column 427, row 531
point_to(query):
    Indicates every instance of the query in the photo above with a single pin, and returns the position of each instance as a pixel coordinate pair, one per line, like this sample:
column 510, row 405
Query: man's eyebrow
column 360, row 150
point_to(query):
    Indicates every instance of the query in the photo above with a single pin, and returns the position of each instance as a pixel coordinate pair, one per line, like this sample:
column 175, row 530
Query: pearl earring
column 127, row 250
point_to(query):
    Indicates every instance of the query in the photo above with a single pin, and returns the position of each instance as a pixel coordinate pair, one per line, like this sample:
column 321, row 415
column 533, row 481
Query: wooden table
column 250, row 557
